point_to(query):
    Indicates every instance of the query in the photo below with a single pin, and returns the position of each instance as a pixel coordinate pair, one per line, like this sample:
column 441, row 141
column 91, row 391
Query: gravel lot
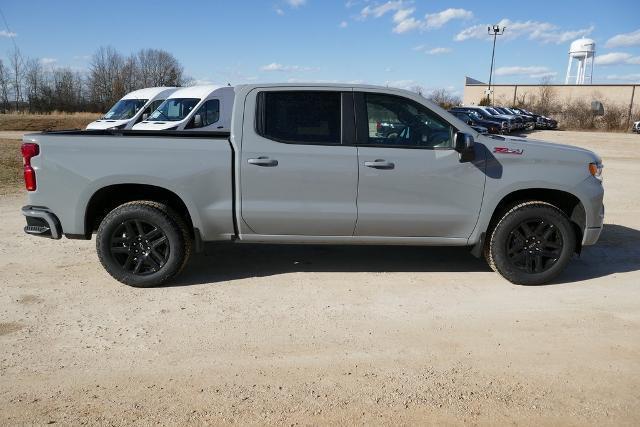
column 327, row 335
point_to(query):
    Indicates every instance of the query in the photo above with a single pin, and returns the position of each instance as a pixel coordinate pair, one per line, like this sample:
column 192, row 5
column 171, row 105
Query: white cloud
column 626, row 77
column 531, row 71
column 274, row 66
column 381, row 9
column 544, row 32
column 405, row 21
column 613, row 58
column 9, row 34
column 627, row 39
column 401, row 84
column 296, row 3
column 48, row 61
column 437, row 20
column 344, row 24
column 279, row 11
column 403, row 18
column 438, row 50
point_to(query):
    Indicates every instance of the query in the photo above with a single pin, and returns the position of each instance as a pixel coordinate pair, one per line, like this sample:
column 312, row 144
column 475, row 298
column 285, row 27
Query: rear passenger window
column 300, row 116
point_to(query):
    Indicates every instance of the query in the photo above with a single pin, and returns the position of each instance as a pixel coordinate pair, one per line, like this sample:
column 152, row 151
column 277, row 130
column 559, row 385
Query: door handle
column 380, row 164
column 263, row 161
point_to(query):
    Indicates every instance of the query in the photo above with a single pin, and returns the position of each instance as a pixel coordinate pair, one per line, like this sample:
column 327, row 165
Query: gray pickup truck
column 306, row 164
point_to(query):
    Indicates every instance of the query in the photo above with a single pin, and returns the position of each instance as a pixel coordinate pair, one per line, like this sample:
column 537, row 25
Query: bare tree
column 546, row 97
column 34, row 82
column 17, row 75
column 444, row 98
column 417, row 89
column 106, row 77
column 4, row 87
column 159, row 68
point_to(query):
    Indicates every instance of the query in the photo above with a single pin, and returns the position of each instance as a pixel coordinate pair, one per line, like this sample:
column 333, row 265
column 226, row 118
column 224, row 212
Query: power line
column 6, row 25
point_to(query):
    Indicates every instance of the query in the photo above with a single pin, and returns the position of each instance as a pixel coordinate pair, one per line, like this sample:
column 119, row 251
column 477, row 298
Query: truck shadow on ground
column 617, row 251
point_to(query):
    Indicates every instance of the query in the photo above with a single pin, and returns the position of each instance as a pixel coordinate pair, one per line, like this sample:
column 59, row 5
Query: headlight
column 595, row 169
column 503, row 124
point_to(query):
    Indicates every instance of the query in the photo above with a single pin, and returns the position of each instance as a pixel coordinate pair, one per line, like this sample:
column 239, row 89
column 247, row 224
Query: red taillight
column 29, row 150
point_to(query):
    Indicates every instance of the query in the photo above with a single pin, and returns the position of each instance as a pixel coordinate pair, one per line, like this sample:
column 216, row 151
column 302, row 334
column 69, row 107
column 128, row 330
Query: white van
column 196, row 108
column 133, row 108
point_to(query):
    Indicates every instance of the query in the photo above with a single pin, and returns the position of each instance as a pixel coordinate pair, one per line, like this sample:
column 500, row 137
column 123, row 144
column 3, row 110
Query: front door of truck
column 298, row 176
column 411, row 182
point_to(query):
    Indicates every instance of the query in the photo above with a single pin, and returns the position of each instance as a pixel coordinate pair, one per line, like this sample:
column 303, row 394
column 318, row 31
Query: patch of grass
column 39, row 122
column 11, row 179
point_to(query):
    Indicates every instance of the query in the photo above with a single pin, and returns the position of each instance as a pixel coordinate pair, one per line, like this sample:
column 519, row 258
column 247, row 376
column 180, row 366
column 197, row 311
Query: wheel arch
column 109, row 197
column 567, row 202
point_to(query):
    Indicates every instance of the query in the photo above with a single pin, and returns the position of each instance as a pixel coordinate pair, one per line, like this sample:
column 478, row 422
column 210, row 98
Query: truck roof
column 147, row 93
column 327, row 85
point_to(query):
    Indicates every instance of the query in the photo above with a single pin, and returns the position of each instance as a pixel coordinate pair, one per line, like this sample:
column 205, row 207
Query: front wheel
column 531, row 244
column 143, row 243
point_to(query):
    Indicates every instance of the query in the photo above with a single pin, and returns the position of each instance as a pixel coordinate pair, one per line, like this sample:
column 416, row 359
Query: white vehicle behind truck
column 133, row 108
column 196, row 108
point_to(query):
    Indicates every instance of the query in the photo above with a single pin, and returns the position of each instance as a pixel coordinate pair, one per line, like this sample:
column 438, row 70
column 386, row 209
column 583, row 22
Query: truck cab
column 196, row 108
column 133, row 108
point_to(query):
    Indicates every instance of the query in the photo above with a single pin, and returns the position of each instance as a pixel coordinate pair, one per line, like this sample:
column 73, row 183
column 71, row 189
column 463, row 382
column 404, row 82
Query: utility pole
column 495, row 31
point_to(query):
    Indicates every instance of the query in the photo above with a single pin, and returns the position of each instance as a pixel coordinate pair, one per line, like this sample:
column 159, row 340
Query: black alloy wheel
column 534, row 246
column 140, row 247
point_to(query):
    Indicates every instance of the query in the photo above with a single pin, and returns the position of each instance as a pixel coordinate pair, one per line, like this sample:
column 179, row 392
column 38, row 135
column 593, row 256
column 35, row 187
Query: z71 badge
column 507, row 150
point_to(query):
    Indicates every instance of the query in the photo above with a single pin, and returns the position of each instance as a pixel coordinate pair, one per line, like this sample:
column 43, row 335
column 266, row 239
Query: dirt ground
column 327, row 335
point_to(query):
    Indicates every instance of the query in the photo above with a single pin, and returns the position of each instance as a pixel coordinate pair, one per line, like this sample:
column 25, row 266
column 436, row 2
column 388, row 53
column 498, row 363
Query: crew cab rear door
column 299, row 166
column 411, row 182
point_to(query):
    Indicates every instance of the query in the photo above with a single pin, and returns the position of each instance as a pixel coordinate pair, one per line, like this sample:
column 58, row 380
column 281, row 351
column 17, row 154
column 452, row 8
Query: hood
column 155, row 125
column 106, row 124
column 543, row 148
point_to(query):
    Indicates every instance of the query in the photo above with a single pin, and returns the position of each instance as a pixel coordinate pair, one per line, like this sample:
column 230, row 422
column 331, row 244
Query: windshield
column 174, row 109
column 492, row 111
column 125, row 109
column 474, row 115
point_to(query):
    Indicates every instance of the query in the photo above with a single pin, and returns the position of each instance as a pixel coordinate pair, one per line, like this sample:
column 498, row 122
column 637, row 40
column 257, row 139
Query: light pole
column 495, row 31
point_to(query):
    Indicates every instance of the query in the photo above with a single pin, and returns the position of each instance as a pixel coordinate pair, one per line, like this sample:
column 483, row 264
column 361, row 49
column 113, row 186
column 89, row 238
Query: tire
column 143, row 243
column 531, row 244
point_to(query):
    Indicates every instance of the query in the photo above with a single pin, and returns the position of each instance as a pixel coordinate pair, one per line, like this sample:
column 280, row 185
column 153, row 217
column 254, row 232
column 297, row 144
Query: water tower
column 584, row 52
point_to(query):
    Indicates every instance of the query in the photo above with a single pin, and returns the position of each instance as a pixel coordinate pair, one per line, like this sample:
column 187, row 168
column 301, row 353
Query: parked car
column 506, row 124
column 543, row 122
column 132, row 108
column 195, row 108
column 480, row 129
column 473, row 119
column 517, row 122
column 529, row 122
column 636, row 127
column 304, row 164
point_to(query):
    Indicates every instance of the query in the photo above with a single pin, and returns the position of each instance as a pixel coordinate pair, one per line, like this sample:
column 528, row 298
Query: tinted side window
column 209, row 112
column 300, row 116
column 153, row 106
column 397, row 121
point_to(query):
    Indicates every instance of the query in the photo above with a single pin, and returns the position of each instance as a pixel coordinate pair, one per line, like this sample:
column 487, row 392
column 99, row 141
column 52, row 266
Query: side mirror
column 464, row 144
column 197, row 121
column 145, row 116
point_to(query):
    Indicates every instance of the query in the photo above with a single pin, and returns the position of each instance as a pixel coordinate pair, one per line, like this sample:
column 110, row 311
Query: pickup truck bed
column 77, row 169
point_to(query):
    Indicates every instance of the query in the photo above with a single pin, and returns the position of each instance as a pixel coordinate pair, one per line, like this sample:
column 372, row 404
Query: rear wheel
column 531, row 244
column 143, row 243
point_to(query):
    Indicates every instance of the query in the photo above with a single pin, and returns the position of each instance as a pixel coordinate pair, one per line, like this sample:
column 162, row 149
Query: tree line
column 29, row 85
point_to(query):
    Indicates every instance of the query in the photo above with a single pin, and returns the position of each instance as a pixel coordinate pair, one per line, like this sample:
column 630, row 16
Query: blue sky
column 400, row 43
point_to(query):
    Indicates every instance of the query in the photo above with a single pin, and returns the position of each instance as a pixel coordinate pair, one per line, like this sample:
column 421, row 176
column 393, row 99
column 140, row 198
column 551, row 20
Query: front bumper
column 592, row 233
column 41, row 222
